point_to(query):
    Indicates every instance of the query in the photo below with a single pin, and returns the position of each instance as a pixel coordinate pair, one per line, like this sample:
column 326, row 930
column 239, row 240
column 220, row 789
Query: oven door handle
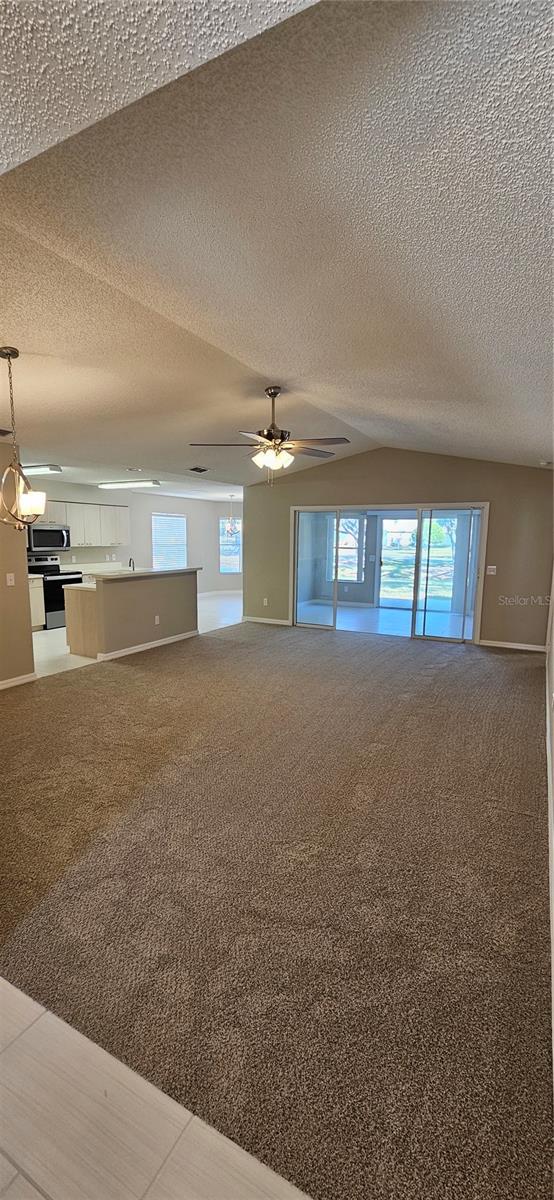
column 63, row 577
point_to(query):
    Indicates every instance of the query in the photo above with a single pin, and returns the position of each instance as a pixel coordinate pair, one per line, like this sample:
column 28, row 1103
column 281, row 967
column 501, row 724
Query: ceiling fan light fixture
column 273, row 458
column 272, row 444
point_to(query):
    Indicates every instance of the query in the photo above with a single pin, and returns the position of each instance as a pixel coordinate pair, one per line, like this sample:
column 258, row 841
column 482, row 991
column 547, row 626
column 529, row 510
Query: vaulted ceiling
column 66, row 65
column 353, row 204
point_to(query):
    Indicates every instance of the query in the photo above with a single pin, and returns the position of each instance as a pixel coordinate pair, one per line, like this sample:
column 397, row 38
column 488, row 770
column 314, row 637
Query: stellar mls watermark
column 523, row 601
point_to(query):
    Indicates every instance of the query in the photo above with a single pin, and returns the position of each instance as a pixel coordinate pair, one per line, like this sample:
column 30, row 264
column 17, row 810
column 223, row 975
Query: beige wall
column 550, row 773
column 202, row 529
column 126, row 610
column 16, row 643
column 519, row 537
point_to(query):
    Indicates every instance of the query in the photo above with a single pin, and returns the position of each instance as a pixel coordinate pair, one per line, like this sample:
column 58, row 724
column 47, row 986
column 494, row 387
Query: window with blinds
column 169, row 541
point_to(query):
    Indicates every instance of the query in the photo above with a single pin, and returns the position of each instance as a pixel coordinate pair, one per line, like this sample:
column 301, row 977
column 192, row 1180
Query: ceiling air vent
column 199, row 470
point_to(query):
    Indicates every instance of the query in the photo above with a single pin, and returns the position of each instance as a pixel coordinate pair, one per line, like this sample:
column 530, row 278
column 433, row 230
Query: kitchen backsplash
column 80, row 556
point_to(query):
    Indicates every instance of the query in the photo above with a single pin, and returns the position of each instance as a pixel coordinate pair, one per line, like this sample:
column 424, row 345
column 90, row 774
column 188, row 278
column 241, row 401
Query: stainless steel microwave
column 48, row 536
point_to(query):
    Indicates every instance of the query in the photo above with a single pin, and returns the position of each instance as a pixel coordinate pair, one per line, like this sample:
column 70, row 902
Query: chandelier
column 19, row 504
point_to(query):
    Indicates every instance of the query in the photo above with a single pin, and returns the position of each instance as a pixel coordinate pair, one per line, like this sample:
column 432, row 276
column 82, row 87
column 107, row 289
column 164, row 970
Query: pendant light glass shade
column 32, row 504
column 19, row 504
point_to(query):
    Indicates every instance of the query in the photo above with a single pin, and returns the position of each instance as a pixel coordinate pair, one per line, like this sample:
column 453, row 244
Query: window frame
column 331, row 548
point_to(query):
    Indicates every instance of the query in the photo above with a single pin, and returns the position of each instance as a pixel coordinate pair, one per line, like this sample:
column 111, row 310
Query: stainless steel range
column 53, row 581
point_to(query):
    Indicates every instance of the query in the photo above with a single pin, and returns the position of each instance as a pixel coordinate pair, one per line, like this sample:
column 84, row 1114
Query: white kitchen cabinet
column 84, row 524
column 76, row 522
column 92, row 525
column 108, row 525
column 123, row 526
column 97, row 524
column 56, row 511
column 36, row 596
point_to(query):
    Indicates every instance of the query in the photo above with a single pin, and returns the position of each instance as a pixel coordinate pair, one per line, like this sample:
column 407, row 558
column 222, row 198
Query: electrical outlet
column 107, row 558
column 156, row 620
column 74, row 558
column 491, row 570
column 10, row 580
column 265, row 601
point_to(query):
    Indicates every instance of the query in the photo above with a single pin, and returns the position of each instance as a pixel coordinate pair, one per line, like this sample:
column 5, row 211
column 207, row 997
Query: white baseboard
column 7, row 683
column 512, row 646
column 178, row 637
column 267, row 621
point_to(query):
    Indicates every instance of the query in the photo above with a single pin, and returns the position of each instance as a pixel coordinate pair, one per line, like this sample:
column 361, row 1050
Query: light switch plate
column 10, row 579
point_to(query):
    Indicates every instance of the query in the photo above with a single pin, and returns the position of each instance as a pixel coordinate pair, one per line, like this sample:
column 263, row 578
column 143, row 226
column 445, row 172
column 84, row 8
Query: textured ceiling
column 105, row 383
column 68, row 63
column 354, row 204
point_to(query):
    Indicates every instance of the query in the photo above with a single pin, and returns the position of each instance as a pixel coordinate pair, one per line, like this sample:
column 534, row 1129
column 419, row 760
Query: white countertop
column 114, row 576
column 145, row 573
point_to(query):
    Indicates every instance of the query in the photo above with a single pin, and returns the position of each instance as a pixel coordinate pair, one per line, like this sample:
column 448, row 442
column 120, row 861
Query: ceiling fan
column 274, row 447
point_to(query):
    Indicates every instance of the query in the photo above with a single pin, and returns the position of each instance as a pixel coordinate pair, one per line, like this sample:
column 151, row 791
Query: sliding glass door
column 397, row 560
column 447, row 572
column 316, row 552
column 392, row 571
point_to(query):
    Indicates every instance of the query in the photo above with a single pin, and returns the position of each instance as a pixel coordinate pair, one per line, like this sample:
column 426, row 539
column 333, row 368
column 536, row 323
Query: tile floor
column 51, row 651
column 76, row 1124
column 218, row 609
column 393, row 621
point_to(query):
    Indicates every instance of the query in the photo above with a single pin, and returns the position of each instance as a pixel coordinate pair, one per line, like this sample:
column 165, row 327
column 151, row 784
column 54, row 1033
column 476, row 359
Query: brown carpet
column 299, row 880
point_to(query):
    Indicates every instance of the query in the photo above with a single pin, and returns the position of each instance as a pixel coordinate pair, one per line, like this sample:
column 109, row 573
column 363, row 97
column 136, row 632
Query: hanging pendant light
column 19, row 504
column 231, row 527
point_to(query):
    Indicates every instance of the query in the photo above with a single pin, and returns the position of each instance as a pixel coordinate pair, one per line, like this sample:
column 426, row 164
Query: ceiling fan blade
column 257, row 437
column 338, row 441
column 314, row 453
column 205, row 444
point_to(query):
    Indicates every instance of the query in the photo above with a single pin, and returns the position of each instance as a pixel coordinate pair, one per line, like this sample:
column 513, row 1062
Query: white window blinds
column 169, row 541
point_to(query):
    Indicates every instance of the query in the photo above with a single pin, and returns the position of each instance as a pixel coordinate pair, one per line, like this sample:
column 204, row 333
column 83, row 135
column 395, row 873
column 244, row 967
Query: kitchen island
column 127, row 611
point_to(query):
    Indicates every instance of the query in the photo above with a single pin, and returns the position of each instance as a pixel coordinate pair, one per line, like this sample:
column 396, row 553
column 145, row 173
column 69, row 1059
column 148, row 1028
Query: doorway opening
column 406, row 572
